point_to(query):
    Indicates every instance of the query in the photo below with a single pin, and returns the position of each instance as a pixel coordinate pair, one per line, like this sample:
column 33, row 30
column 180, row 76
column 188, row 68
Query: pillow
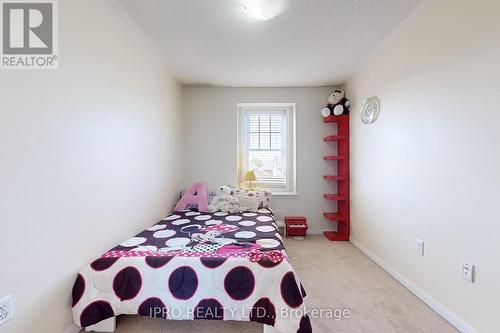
column 194, row 206
column 251, row 203
column 196, row 194
column 263, row 196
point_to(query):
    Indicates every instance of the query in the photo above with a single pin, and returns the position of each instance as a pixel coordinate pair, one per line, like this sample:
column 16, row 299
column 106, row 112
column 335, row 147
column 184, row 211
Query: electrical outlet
column 467, row 270
column 5, row 309
column 419, row 246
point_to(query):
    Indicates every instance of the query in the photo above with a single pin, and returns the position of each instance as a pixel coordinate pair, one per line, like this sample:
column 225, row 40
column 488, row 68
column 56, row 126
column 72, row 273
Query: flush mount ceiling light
column 263, row 10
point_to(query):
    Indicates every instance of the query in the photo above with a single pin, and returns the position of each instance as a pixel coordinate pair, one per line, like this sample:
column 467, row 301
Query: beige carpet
column 335, row 275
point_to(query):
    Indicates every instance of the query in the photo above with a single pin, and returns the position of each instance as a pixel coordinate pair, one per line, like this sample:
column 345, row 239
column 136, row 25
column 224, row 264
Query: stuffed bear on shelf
column 337, row 104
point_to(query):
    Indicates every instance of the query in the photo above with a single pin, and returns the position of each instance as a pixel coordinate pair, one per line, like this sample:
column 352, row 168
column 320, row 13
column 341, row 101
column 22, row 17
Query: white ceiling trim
column 143, row 37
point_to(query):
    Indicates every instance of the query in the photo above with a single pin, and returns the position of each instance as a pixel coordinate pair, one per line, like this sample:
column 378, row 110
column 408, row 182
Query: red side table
column 295, row 226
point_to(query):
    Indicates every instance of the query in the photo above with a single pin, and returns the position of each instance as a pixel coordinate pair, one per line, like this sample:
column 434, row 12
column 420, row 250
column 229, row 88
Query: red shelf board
column 334, row 158
column 333, row 138
column 334, row 217
column 335, row 119
column 337, row 197
column 335, row 236
column 331, row 177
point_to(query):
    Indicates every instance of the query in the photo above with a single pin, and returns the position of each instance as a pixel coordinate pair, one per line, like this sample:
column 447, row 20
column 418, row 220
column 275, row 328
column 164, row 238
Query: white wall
column 210, row 133
column 428, row 168
column 89, row 156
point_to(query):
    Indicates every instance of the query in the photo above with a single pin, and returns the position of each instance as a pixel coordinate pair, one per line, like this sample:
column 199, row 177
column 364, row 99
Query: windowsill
column 284, row 195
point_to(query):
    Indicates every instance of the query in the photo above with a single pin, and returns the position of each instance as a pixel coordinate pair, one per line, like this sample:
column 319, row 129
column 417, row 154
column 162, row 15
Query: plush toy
column 337, row 104
column 196, row 194
column 225, row 202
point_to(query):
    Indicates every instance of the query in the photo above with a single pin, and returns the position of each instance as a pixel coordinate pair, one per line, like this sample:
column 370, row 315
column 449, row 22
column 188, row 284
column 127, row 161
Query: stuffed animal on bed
column 225, row 202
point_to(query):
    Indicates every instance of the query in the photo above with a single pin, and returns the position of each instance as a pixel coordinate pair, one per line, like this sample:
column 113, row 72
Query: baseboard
column 442, row 310
column 315, row 231
column 72, row 329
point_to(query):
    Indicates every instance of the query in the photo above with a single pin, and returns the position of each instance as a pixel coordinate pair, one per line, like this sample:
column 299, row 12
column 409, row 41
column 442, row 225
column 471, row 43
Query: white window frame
column 290, row 188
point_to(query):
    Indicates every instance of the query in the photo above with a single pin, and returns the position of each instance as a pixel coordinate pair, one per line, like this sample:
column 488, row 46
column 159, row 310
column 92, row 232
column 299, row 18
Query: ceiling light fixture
column 263, row 10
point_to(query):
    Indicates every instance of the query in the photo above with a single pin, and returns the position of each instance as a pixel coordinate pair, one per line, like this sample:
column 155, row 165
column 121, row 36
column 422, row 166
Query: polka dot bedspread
column 194, row 265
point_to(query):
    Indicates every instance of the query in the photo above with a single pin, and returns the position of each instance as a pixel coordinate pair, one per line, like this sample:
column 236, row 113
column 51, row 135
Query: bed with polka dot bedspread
column 194, row 265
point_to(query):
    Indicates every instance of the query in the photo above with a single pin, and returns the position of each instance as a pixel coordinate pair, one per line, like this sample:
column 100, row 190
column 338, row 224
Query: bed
column 194, row 265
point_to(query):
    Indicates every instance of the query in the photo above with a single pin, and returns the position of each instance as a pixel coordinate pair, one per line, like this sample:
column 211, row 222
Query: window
column 266, row 145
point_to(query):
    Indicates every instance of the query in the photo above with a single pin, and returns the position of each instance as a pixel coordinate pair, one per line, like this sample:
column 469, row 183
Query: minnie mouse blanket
column 194, row 265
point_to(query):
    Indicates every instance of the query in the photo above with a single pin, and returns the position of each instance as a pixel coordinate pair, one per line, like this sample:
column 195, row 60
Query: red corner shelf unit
column 342, row 179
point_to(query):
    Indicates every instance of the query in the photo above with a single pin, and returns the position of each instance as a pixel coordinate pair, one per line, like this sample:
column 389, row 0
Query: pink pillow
column 196, row 194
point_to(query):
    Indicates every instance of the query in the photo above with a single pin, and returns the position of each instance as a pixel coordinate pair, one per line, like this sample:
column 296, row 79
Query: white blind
column 266, row 147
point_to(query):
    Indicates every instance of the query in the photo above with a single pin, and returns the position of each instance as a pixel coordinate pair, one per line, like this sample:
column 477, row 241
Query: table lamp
column 250, row 178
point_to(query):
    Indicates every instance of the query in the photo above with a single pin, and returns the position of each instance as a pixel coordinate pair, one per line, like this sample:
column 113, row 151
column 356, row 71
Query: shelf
column 330, row 177
column 340, row 218
column 334, row 217
column 337, row 197
column 336, row 119
column 334, row 158
column 336, row 236
column 334, row 138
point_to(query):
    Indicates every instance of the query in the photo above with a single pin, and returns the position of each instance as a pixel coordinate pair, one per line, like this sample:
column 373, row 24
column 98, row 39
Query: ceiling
column 310, row 43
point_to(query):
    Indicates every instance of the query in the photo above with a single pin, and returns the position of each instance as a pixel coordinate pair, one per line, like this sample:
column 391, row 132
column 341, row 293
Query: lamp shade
column 250, row 176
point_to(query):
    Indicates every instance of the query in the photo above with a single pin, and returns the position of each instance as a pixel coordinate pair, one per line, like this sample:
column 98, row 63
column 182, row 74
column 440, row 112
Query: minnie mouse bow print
column 273, row 256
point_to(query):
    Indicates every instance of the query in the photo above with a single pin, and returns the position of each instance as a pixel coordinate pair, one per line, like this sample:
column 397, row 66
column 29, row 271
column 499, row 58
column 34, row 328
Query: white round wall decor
column 370, row 110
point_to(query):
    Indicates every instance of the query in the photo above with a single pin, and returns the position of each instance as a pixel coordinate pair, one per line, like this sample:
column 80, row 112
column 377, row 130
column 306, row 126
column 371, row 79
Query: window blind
column 266, row 147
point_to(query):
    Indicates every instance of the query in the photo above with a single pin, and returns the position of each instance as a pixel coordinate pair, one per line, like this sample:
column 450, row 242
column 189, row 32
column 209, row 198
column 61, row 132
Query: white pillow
column 264, row 196
column 251, row 203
